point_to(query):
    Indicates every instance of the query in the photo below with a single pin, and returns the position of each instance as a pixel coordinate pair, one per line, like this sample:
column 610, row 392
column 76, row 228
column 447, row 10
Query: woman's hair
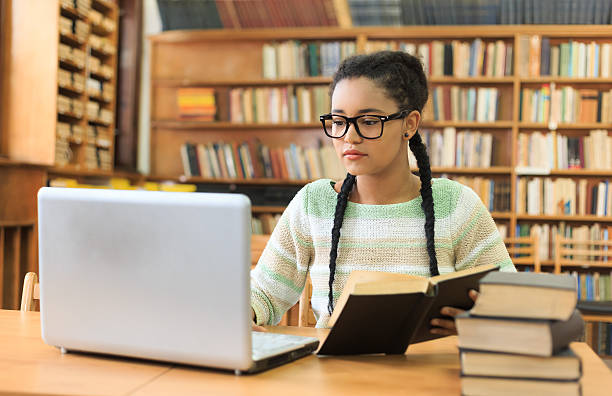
column 402, row 78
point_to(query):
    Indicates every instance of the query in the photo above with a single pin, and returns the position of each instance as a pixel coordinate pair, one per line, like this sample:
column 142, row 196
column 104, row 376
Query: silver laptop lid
column 155, row 275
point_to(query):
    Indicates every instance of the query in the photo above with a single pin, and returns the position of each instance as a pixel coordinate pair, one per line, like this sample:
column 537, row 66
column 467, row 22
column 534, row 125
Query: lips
column 353, row 154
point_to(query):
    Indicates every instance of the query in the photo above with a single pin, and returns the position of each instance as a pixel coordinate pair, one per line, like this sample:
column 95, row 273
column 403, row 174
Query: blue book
column 491, row 195
column 589, row 287
column 607, row 184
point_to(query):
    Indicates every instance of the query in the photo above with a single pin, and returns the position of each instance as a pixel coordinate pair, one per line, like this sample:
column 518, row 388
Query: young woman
column 381, row 217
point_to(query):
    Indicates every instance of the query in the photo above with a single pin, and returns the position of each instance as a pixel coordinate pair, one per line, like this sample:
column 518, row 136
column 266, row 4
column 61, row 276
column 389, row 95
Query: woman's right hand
column 257, row 328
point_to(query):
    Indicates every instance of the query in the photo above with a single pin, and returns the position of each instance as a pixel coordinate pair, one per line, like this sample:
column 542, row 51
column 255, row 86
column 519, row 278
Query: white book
column 601, row 199
column 554, row 61
column 604, row 68
column 500, row 60
column 448, row 156
column 214, row 161
column 269, row 61
column 204, row 161
column 549, row 197
column 533, row 196
column 185, row 160
column 423, row 54
column 582, row 193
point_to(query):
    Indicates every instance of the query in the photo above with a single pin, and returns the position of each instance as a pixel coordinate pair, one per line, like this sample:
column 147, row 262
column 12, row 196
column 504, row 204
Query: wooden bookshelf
column 238, row 56
column 53, row 63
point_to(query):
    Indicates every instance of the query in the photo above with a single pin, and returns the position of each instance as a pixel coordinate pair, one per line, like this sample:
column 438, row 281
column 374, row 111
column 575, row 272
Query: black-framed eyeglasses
column 368, row 126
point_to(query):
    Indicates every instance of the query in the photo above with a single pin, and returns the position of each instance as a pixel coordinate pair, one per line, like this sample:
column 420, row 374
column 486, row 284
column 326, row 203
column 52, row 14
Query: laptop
column 154, row 275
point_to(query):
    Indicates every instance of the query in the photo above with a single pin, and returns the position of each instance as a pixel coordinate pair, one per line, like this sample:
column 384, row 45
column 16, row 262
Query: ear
column 411, row 124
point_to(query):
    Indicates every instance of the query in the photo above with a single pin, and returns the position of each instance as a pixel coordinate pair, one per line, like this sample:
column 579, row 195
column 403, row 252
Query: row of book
column 555, row 151
column 72, row 55
column 98, row 68
column 456, row 103
column 563, row 196
column 102, row 44
column 98, row 113
column 100, row 89
column 494, row 193
column 300, row 104
column 70, row 27
column 70, row 80
column 565, row 105
column 516, row 338
column 462, row 149
column 599, row 336
column 99, row 20
column 264, row 224
column 196, row 104
column 252, row 159
column 581, row 59
column 593, row 286
column 296, row 59
column 83, row 7
column 97, row 157
column 69, row 106
column 548, row 232
column 241, row 14
column 456, row 58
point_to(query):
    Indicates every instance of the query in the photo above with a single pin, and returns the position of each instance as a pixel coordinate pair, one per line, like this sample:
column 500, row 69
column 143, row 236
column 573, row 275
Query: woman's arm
column 280, row 275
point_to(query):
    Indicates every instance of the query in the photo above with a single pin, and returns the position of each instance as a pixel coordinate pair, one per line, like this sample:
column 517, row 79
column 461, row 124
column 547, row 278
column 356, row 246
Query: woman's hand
column 447, row 326
column 253, row 325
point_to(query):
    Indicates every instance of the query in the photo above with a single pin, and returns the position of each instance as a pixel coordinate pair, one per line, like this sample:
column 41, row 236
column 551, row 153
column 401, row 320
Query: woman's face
column 357, row 96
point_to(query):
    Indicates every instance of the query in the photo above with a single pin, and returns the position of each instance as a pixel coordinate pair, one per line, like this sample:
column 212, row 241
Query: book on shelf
column 598, row 335
column 511, row 386
column 494, row 193
column 264, row 224
column 196, row 104
column 572, row 58
column 401, row 307
column 455, row 103
column 252, row 159
column 567, row 104
column 526, row 295
column 266, row 105
column 462, row 149
column 537, row 337
column 563, row 196
column 564, row 365
column 297, row 59
column 456, row 58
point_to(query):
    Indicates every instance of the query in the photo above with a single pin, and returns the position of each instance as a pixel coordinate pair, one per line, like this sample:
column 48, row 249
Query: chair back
column 31, row 292
column 524, row 251
column 582, row 253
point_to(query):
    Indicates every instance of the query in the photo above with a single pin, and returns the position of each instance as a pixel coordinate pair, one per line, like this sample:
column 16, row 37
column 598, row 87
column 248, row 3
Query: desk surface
column 27, row 365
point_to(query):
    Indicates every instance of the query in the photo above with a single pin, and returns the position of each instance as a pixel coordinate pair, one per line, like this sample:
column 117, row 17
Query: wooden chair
column 585, row 254
column 31, row 292
column 524, row 251
column 573, row 253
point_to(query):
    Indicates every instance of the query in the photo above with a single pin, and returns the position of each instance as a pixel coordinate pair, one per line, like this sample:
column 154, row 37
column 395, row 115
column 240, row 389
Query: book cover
column 537, row 337
column 367, row 318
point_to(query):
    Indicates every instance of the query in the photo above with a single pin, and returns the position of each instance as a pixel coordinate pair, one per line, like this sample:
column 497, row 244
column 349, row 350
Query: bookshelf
column 63, row 69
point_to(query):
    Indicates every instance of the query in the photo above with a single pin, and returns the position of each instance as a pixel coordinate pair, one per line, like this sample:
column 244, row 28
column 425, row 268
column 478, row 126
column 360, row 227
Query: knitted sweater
column 388, row 238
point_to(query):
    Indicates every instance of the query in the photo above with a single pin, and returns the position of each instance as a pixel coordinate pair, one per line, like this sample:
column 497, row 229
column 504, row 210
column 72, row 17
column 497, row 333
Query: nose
column 351, row 135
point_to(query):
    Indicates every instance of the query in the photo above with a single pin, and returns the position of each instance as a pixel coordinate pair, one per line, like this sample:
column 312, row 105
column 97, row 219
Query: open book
column 381, row 312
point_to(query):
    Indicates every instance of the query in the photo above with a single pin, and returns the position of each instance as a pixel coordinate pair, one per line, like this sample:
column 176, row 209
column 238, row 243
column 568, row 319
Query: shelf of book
column 577, row 126
column 242, row 53
column 567, row 218
column 238, row 83
column 195, row 125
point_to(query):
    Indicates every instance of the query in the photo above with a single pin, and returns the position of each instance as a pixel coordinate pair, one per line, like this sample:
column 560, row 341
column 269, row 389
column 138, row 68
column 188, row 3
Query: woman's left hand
column 447, row 326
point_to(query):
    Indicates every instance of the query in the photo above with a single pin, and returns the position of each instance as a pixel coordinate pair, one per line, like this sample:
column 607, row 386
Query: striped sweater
column 388, row 238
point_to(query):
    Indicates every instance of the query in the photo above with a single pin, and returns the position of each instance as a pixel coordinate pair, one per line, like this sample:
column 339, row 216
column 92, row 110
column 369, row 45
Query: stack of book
column 196, row 104
column 515, row 340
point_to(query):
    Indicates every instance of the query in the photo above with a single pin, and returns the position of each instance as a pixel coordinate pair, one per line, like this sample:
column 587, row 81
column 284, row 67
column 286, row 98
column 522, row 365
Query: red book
column 283, row 164
column 276, row 171
column 255, row 158
column 446, row 100
column 330, row 12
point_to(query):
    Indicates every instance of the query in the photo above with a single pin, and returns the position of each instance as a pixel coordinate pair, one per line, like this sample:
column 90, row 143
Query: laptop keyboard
column 271, row 344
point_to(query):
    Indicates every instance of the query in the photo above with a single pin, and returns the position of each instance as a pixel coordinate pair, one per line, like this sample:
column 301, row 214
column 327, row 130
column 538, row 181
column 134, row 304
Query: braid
column 418, row 149
column 347, row 186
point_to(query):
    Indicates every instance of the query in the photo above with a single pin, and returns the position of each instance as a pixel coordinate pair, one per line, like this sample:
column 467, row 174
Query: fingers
column 451, row 311
column 257, row 328
column 444, row 327
column 473, row 294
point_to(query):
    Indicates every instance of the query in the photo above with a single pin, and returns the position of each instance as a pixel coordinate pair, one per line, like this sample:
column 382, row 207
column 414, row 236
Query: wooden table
column 28, row 366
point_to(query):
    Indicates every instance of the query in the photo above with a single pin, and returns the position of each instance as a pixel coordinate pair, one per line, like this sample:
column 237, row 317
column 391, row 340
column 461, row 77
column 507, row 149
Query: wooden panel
column 128, row 87
column 18, row 189
column 2, row 254
column 207, row 60
column 31, row 81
